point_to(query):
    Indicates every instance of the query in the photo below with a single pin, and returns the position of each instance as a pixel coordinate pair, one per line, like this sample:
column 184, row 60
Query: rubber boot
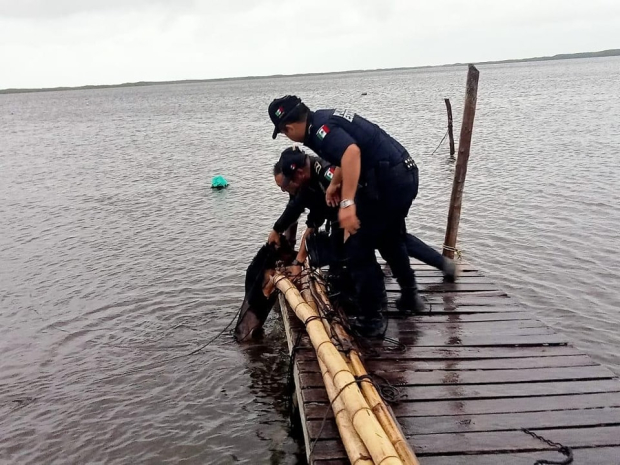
column 449, row 270
column 371, row 327
column 410, row 301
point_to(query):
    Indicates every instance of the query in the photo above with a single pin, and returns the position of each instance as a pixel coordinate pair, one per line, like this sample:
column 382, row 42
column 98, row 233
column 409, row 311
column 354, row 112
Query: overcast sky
column 46, row 43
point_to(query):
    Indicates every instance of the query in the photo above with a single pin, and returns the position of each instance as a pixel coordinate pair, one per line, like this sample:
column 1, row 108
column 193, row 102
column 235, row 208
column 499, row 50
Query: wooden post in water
column 450, row 129
column 467, row 127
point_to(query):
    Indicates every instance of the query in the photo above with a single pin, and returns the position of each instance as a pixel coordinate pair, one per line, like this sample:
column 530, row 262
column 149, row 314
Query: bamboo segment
column 375, row 401
column 364, row 421
column 356, row 450
column 384, row 414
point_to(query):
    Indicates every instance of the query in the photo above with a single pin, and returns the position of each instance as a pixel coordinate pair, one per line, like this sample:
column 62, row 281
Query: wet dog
column 259, row 296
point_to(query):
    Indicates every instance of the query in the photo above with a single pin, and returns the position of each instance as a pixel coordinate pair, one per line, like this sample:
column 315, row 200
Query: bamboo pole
column 382, row 411
column 364, row 421
column 356, row 450
column 467, row 127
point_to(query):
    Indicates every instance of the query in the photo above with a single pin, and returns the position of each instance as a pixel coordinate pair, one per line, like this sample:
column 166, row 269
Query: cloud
column 69, row 42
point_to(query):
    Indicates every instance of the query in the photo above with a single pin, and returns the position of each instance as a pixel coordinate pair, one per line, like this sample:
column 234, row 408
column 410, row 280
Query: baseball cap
column 280, row 109
column 291, row 159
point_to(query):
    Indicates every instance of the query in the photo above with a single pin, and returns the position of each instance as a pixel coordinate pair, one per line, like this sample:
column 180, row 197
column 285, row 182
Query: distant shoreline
column 563, row 56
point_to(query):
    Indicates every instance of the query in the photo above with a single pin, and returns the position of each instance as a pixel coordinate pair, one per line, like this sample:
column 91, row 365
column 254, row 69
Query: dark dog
column 259, row 296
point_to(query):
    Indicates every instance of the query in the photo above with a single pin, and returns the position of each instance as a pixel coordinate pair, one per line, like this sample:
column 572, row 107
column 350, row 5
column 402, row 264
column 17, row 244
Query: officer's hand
column 274, row 238
column 332, row 195
column 348, row 219
column 294, row 271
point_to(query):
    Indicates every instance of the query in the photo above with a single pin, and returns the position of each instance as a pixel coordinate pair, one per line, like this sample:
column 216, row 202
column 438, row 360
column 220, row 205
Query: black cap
column 291, row 160
column 280, row 109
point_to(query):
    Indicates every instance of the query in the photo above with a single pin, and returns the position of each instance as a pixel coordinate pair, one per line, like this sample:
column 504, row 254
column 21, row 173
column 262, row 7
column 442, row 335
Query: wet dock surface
column 471, row 374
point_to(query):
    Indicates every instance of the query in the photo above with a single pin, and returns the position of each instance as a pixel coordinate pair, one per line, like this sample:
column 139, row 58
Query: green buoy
column 219, row 182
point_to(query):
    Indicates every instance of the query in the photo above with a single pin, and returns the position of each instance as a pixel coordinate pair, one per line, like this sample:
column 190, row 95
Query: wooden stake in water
column 467, row 127
column 450, row 127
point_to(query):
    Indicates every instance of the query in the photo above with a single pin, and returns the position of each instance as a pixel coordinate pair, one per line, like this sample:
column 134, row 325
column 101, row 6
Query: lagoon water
column 117, row 259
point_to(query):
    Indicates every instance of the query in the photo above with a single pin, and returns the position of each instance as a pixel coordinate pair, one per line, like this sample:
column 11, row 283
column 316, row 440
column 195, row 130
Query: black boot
column 449, row 270
column 410, row 301
column 372, row 327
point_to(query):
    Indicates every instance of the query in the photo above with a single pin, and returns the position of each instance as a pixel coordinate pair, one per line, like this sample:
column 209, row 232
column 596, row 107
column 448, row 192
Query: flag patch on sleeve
column 329, row 173
column 322, row 132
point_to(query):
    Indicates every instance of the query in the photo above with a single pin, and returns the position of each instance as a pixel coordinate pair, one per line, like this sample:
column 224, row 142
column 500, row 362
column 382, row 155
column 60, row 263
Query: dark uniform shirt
column 330, row 132
column 311, row 197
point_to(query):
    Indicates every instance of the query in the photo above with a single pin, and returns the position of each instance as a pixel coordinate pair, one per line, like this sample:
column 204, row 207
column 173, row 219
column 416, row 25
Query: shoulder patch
column 329, row 173
column 322, row 132
column 345, row 114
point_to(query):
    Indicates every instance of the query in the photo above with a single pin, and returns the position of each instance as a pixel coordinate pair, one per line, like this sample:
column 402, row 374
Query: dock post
column 469, row 112
column 450, row 127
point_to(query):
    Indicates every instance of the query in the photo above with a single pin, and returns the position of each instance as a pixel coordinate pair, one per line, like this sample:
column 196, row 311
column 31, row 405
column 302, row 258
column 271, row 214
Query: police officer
column 306, row 178
column 377, row 181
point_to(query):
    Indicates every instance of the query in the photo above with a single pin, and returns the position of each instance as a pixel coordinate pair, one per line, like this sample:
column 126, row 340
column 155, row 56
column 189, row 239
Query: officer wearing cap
column 378, row 181
column 306, row 179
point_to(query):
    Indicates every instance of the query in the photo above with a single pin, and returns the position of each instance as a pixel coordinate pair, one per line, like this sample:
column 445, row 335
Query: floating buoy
column 219, row 182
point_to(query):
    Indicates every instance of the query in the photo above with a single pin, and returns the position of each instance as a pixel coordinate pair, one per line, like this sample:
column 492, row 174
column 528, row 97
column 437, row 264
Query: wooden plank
column 380, row 366
column 287, row 317
column 437, row 279
column 489, row 391
column 588, row 456
column 469, row 340
column 397, row 330
column 455, row 299
column 489, row 315
column 458, row 286
column 494, row 422
column 508, row 421
column 386, row 351
column 485, row 406
column 470, row 326
column 442, row 377
column 493, row 442
column 467, row 304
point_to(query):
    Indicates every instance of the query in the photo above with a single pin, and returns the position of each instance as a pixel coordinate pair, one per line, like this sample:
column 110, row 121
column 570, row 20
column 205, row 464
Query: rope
column 458, row 252
column 562, row 449
column 441, row 142
column 395, row 392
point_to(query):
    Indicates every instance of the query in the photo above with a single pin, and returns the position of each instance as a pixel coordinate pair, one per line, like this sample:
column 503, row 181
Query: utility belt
column 384, row 173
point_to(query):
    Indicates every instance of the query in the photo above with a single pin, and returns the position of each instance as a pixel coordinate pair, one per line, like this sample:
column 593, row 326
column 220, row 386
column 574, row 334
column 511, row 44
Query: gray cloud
column 70, row 42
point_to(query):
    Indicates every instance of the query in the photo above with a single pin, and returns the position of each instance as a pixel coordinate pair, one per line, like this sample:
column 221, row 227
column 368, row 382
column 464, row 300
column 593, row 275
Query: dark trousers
column 381, row 211
column 422, row 251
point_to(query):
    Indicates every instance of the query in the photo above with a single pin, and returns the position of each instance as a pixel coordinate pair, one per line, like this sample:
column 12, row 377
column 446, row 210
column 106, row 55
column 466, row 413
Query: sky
column 48, row 43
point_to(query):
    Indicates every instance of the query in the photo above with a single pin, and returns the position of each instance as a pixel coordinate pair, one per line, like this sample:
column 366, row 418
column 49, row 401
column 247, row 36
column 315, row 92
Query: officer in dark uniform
column 306, row 178
column 377, row 180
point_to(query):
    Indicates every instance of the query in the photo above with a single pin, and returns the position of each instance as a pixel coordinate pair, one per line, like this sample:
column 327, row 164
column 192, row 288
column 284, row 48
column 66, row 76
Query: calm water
column 116, row 258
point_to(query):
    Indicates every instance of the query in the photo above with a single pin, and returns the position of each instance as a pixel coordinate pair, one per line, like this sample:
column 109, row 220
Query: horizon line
column 561, row 56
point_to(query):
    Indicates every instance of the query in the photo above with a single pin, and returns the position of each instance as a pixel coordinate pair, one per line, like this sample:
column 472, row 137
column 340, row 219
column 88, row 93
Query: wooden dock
column 473, row 373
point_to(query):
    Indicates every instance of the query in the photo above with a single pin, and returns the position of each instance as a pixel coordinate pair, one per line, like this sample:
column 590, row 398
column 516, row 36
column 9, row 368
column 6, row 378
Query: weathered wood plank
column 468, row 340
column 441, row 377
column 485, row 406
column 437, row 279
column 587, row 456
column 469, row 327
column 493, row 422
column 397, row 331
column 458, row 286
column 489, row 391
column 493, row 442
column 385, row 351
column 394, row 366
